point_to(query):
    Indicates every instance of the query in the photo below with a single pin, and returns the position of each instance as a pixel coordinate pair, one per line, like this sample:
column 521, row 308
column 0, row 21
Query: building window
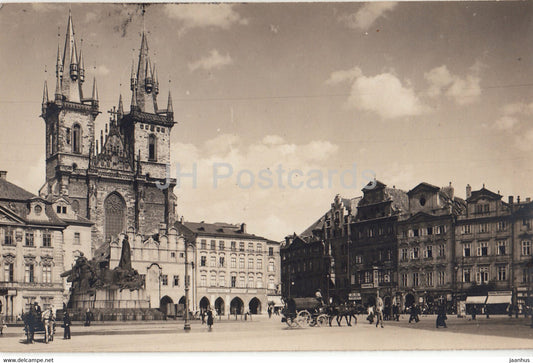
column 259, row 263
column 415, row 252
column 221, row 245
column 467, row 249
column 429, row 278
column 483, row 249
column 250, row 263
column 259, row 248
column 501, row 248
column 241, row 246
column 271, row 251
column 164, row 280
column 213, row 244
column 415, row 232
column 221, row 261
column 466, row 275
column 482, row 275
column 358, row 259
column 442, row 251
column 429, row 252
column 441, row 278
column 222, row 280
column 8, row 237
column 404, row 280
column 47, row 239
column 250, row 247
column 76, row 139
column 415, row 279
column 203, row 280
column 502, row 273
column 271, row 265
column 404, row 254
column 241, row 263
column 233, row 281
column 484, row 228
column 429, row 231
column 251, row 283
column 213, row 261
column 203, row 261
column 213, row 279
column 29, row 273
column 115, row 216
column 441, row 230
column 9, row 272
column 233, row 245
column 526, row 248
column 203, row 244
column 47, row 274
column 29, row 238
column 259, row 281
column 242, row 282
column 233, row 261
column 466, row 229
column 176, row 280
column 525, row 275
column 502, row 226
column 77, row 238
column 152, row 147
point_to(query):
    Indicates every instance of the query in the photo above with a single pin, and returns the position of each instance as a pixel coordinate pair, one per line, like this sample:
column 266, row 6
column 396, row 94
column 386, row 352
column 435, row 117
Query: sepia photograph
column 272, row 177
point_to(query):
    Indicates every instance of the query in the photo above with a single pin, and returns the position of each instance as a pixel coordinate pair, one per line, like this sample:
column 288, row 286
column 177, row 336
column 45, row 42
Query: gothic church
column 121, row 179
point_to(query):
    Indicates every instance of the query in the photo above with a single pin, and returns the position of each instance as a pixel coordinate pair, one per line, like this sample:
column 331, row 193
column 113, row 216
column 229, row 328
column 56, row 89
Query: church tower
column 69, row 118
column 120, row 179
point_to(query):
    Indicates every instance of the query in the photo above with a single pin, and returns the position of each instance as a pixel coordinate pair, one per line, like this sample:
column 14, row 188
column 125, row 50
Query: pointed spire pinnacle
column 133, row 99
column 169, row 106
column 45, row 93
column 120, row 106
column 81, row 67
column 95, row 90
column 59, row 67
column 132, row 77
column 156, row 80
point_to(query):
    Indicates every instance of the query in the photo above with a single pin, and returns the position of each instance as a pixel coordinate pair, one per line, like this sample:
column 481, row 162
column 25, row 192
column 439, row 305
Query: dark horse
column 342, row 311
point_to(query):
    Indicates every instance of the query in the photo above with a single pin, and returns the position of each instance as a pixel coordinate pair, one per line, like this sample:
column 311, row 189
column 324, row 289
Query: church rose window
column 114, row 215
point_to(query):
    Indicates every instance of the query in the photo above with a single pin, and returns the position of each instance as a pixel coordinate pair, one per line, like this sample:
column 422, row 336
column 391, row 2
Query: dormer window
column 38, row 209
column 61, row 209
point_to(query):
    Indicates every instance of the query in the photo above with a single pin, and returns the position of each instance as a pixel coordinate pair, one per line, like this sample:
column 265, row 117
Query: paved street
column 263, row 334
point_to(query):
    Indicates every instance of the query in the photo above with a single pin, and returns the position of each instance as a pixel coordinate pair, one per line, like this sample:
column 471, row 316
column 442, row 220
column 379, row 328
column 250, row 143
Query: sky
column 282, row 106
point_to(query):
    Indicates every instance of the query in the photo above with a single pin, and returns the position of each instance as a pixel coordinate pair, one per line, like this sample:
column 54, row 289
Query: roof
column 483, row 192
column 319, row 224
column 423, row 186
column 11, row 191
column 400, row 200
column 218, row 230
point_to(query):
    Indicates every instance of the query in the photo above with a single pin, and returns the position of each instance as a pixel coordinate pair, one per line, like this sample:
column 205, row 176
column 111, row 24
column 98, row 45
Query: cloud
column 91, row 17
column 274, row 29
column 462, row 90
column 269, row 210
column 366, row 15
column 383, row 94
column 524, row 140
column 45, row 7
column 505, row 123
column 213, row 61
column 518, row 108
column 102, row 70
column 205, row 15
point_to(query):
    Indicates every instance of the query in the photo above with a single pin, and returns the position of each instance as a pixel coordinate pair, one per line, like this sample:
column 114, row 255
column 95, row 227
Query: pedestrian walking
column 441, row 316
column 88, row 317
column 474, row 312
column 487, row 311
column 370, row 312
column 202, row 315
column 2, row 324
column 414, row 314
column 379, row 311
column 269, row 312
column 66, row 325
column 209, row 319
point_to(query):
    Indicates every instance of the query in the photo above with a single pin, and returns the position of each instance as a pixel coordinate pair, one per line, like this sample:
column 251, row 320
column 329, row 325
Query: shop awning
column 276, row 300
column 476, row 299
column 499, row 299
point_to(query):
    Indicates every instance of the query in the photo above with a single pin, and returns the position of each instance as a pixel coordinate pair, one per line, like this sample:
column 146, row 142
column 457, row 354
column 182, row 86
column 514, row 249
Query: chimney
column 468, row 191
column 288, row 240
column 518, row 200
column 511, row 199
column 243, row 227
column 3, row 174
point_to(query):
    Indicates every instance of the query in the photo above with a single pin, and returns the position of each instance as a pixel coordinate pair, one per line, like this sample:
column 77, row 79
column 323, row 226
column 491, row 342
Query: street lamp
column 186, row 324
column 349, row 242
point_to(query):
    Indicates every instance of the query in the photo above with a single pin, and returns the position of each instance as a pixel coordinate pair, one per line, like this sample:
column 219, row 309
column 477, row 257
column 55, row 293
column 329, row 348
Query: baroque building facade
column 38, row 238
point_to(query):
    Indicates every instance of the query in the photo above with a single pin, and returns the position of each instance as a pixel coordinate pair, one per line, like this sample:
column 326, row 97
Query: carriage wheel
column 322, row 320
column 303, row 318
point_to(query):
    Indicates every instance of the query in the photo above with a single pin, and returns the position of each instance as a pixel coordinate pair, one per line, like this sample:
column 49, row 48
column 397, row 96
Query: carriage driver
column 318, row 296
column 48, row 322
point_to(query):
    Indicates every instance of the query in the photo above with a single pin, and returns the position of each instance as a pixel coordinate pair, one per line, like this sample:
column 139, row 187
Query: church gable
column 8, row 217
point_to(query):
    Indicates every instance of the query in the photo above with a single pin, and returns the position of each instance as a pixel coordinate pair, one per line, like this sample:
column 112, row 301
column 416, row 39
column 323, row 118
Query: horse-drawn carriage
column 304, row 311
column 34, row 324
column 309, row 311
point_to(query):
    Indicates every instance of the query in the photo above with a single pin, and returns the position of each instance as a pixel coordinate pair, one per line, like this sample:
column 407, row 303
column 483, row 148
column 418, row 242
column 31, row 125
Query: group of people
column 207, row 317
column 35, row 316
